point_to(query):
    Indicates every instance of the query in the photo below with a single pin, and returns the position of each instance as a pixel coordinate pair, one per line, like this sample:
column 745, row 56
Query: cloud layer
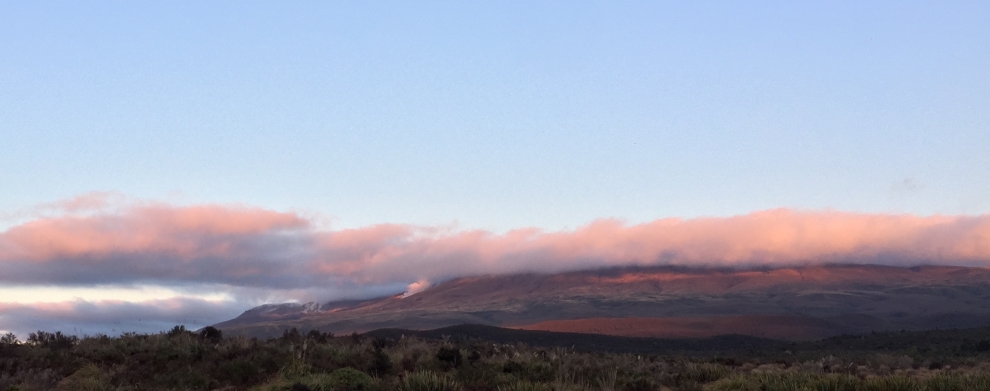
column 251, row 251
column 111, row 317
column 251, row 247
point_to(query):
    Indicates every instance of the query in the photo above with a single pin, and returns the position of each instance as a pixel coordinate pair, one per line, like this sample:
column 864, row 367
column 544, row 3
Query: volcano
column 786, row 303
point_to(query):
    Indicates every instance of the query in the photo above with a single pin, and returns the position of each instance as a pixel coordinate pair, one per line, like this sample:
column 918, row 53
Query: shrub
column 211, row 334
column 176, row 331
column 55, row 341
column 381, row 363
column 350, row 379
column 9, row 339
column 640, row 384
column 450, row 356
column 705, row 373
column 87, row 378
column 238, row 371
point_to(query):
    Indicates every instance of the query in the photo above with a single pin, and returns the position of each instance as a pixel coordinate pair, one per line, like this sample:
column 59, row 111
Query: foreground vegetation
column 183, row 360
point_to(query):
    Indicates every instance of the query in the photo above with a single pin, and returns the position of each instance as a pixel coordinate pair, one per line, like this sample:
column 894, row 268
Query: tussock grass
column 428, row 381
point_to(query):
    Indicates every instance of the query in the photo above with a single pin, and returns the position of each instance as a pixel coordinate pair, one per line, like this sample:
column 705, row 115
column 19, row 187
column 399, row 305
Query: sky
column 180, row 162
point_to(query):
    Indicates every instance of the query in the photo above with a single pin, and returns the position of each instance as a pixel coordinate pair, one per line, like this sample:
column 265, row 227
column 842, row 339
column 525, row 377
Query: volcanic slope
column 787, row 303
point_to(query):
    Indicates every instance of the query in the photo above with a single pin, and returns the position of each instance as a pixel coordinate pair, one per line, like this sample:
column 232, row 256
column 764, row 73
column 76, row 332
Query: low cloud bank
column 256, row 248
column 92, row 241
column 773, row 238
column 81, row 317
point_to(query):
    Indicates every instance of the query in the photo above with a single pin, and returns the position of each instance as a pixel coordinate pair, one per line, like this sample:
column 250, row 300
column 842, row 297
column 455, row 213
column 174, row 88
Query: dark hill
column 806, row 303
column 723, row 344
column 930, row 345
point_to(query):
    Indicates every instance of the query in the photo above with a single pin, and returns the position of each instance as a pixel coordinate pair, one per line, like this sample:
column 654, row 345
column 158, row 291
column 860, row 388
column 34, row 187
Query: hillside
column 788, row 303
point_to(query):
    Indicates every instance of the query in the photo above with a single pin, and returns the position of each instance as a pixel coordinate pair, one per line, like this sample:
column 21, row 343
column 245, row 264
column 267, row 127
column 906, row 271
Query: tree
column 9, row 339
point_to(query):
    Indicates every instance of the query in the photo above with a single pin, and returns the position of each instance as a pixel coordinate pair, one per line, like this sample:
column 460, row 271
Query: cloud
column 768, row 238
column 256, row 248
column 254, row 255
column 237, row 245
column 94, row 202
column 416, row 287
column 113, row 317
column 906, row 186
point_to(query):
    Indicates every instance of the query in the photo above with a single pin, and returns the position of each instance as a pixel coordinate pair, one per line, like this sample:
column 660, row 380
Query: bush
column 9, row 339
column 87, row 378
column 176, row 331
column 705, row 373
column 381, row 363
column 350, row 379
column 54, row 341
column 212, row 334
column 450, row 356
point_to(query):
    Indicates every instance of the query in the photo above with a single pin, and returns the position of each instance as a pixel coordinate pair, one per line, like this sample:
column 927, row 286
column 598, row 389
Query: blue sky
column 503, row 114
column 193, row 159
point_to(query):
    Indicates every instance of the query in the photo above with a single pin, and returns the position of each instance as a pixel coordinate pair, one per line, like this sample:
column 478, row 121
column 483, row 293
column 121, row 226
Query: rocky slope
column 791, row 303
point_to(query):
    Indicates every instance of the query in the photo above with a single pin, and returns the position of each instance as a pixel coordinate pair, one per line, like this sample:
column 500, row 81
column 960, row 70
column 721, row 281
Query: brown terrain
column 787, row 303
column 765, row 326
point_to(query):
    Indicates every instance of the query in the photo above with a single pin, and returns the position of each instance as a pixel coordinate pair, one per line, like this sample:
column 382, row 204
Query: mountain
column 786, row 303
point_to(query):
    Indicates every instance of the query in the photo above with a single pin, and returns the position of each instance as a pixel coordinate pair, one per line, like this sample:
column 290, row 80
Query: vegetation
column 208, row 360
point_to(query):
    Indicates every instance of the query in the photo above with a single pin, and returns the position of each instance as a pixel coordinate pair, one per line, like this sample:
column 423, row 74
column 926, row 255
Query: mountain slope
column 797, row 303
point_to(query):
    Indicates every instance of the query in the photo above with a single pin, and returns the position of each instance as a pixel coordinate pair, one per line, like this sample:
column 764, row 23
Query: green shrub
column 350, row 379
column 294, row 370
column 87, row 378
column 381, row 363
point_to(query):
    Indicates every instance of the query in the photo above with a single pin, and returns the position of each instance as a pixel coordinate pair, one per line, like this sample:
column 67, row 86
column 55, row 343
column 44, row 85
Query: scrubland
column 184, row 360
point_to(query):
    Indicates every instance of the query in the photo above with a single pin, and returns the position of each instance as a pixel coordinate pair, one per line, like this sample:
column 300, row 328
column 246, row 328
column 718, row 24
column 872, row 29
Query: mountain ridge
column 794, row 303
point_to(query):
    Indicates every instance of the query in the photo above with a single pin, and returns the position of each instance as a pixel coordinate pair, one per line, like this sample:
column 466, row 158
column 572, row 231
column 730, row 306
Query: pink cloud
column 94, row 201
column 186, row 232
column 252, row 247
column 255, row 253
column 768, row 238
